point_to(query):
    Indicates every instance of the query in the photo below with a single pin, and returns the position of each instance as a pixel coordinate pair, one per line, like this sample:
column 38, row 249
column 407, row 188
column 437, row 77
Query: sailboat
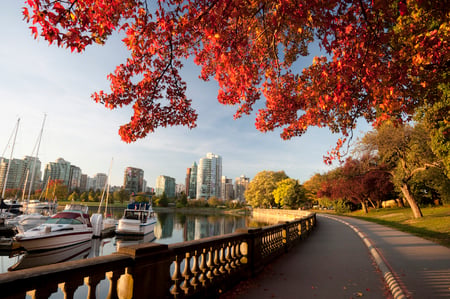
column 35, row 212
column 35, row 205
column 5, row 212
column 104, row 224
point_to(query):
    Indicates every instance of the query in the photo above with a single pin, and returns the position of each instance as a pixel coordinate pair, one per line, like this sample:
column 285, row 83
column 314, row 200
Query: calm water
column 170, row 228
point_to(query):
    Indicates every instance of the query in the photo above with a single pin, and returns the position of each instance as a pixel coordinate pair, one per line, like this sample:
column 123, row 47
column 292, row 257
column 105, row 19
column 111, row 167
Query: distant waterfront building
column 100, row 180
column 133, row 180
column 209, row 175
column 240, row 185
column 59, row 170
column 90, row 184
column 186, row 181
column 74, row 178
column 15, row 179
column 84, row 183
column 192, row 189
column 36, row 176
column 165, row 184
column 227, row 188
column 179, row 188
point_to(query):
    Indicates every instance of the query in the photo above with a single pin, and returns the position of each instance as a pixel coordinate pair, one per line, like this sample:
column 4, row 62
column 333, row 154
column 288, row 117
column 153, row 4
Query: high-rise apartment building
column 209, row 175
column 240, row 185
column 133, row 180
column 20, row 173
column 100, row 181
column 84, row 183
column 191, row 186
column 165, row 184
column 34, row 176
column 179, row 188
column 58, row 170
column 14, row 176
column 186, row 181
column 227, row 188
column 74, row 178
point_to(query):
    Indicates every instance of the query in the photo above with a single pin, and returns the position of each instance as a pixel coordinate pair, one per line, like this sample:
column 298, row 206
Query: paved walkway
column 350, row 258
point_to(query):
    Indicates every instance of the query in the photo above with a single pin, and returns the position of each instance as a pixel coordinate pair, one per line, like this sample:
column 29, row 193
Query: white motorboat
column 26, row 221
column 65, row 228
column 138, row 220
column 37, row 206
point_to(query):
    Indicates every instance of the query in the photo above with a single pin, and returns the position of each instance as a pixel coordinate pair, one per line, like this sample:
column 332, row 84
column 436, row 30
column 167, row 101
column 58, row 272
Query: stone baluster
column 187, row 274
column 195, row 271
column 229, row 259
column 176, row 278
column 203, row 267
column 210, row 264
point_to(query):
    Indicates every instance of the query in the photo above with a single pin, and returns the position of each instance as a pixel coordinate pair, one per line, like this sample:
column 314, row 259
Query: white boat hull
column 135, row 227
column 54, row 240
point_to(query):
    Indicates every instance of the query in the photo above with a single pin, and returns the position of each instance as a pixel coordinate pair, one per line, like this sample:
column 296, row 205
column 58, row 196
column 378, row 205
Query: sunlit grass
column 434, row 225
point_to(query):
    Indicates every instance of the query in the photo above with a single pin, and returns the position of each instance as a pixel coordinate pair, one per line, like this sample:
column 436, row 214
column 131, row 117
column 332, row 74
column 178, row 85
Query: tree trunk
column 412, row 203
column 371, row 202
column 364, row 207
column 399, row 202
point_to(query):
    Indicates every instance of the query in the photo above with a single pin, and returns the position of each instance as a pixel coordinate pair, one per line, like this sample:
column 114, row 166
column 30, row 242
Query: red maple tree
column 384, row 58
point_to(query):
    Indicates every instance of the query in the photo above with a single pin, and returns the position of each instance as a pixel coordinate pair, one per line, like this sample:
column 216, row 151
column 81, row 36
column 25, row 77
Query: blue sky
column 38, row 79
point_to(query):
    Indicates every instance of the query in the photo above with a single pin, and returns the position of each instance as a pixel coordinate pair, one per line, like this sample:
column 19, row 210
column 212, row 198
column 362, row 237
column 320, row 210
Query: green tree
column 436, row 119
column 289, row 194
column 121, row 195
column 73, row 196
column 260, row 189
column 84, row 196
column 214, row 202
column 313, row 186
column 406, row 151
column 163, row 200
column 57, row 189
column 182, row 201
column 92, row 196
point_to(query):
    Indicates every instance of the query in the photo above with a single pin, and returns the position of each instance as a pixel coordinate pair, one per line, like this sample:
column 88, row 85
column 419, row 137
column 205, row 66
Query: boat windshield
column 136, row 215
column 68, row 218
column 63, row 221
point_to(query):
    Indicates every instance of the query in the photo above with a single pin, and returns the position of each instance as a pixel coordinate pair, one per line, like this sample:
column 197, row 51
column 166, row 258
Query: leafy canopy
column 384, row 58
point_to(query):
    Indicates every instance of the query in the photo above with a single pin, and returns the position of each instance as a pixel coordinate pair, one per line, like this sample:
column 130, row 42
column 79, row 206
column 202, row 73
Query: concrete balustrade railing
column 201, row 268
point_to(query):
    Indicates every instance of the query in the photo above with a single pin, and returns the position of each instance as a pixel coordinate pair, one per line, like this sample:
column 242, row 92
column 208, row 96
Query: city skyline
column 39, row 79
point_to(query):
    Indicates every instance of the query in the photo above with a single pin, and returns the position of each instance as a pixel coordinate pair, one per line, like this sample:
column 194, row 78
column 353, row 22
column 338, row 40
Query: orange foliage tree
column 384, row 58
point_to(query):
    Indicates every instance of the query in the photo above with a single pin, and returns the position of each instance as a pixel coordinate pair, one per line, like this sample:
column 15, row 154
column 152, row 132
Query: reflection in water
column 177, row 227
column 124, row 240
column 48, row 257
column 170, row 228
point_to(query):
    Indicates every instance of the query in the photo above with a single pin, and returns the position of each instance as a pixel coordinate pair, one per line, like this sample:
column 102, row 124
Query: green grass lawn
column 434, row 225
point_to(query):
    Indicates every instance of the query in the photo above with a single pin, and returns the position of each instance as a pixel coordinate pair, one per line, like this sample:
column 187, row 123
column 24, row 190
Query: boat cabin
column 137, row 215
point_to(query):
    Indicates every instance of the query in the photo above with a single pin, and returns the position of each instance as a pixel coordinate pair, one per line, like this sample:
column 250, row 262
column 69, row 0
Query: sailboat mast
column 109, row 183
column 35, row 158
column 25, row 185
column 10, row 159
column 104, row 189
